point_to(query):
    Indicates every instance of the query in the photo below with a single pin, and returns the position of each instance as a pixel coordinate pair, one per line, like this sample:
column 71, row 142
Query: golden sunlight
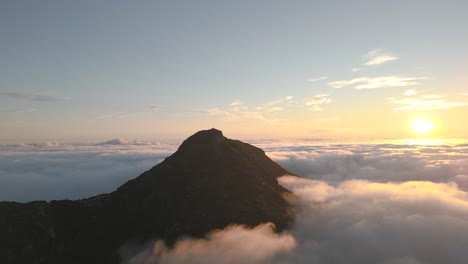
column 422, row 126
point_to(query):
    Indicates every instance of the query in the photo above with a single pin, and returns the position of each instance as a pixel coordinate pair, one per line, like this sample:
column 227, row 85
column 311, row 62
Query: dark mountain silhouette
column 209, row 183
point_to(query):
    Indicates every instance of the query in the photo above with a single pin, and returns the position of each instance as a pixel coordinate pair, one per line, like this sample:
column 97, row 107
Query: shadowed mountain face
column 209, row 183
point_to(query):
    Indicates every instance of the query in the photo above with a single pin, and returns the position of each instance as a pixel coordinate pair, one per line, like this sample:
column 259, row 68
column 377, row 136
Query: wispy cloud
column 265, row 112
column 424, row 103
column 217, row 111
column 356, row 69
column 318, row 79
column 314, row 103
column 275, row 109
column 230, row 115
column 327, row 119
column 377, row 82
column 154, row 107
column 112, row 116
column 286, row 99
column 32, row 96
column 19, row 110
column 235, row 103
column 378, row 56
column 409, row 92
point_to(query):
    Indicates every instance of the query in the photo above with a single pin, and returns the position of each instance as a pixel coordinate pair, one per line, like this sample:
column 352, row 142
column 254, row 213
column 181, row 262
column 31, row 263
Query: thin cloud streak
column 317, row 79
column 33, row 96
column 232, row 115
column 314, row 103
column 377, row 57
column 237, row 110
column 424, row 103
column 19, row 111
column 377, row 82
column 112, row 116
column 286, row 99
column 236, row 103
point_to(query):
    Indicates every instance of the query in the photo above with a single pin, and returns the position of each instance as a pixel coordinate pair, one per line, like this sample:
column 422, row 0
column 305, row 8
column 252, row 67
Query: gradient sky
column 92, row 70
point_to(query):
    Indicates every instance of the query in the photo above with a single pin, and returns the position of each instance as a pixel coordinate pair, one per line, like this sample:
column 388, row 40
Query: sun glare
column 422, row 126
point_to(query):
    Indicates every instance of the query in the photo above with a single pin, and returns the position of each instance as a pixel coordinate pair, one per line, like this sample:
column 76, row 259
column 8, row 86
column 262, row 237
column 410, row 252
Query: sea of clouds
column 55, row 171
column 398, row 202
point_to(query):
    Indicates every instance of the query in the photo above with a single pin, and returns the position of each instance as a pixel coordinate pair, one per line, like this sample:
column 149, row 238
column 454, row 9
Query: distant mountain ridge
column 209, row 182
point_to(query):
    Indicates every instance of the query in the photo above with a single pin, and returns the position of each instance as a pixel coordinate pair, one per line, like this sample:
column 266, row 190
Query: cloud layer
column 363, row 222
column 402, row 202
column 232, row 245
column 51, row 171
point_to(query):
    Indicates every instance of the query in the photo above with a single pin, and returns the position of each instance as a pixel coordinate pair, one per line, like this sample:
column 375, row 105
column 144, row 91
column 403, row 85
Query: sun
column 422, row 126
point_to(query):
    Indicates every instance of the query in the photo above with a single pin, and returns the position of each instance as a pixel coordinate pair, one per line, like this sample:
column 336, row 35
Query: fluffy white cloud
column 396, row 162
column 232, row 245
column 364, row 222
column 377, row 82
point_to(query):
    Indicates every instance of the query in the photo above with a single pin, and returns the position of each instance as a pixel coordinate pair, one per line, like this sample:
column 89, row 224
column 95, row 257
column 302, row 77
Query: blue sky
column 90, row 70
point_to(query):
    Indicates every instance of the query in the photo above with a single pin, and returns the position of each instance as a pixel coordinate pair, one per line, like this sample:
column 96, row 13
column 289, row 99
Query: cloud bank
column 53, row 171
column 396, row 202
column 363, row 222
column 232, row 245
column 384, row 203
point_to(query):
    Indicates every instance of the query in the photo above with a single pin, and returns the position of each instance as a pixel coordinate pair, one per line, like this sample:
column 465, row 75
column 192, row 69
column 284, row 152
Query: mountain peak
column 209, row 183
column 206, row 136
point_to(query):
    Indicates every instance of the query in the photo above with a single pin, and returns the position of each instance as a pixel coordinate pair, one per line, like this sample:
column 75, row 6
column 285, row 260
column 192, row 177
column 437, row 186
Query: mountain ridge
column 208, row 183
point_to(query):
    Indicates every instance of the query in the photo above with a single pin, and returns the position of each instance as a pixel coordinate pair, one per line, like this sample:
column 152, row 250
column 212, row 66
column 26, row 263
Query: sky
column 74, row 71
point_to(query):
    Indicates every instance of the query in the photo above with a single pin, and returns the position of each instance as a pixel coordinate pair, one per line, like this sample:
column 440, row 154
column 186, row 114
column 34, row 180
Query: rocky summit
column 208, row 183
